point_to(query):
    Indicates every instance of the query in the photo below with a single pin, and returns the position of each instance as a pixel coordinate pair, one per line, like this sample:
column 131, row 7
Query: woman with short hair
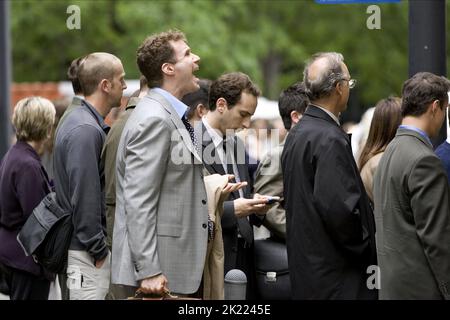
column 23, row 184
column 386, row 119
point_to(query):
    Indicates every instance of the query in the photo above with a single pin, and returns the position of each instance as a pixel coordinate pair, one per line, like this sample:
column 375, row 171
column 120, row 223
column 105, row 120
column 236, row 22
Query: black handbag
column 46, row 235
column 272, row 272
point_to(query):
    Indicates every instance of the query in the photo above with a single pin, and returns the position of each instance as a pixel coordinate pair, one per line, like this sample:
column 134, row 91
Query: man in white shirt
column 232, row 102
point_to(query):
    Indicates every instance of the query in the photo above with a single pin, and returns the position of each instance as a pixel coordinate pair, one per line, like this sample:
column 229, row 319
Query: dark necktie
column 227, row 158
column 190, row 129
column 245, row 229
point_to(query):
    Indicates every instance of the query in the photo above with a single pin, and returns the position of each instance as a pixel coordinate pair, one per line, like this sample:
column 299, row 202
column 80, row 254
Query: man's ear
column 201, row 110
column 221, row 105
column 339, row 88
column 105, row 85
column 168, row 68
column 295, row 116
column 435, row 105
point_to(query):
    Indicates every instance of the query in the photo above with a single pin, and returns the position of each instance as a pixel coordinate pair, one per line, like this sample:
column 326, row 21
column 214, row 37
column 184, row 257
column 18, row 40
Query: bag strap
column 50, row 203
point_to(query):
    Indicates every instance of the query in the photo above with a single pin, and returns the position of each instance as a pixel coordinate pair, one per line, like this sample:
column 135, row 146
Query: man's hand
column 231, row 187
column 244, row 207
column 155, row 285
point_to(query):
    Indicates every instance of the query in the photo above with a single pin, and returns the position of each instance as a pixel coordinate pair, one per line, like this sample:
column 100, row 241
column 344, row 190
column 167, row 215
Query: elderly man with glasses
column 330, row 231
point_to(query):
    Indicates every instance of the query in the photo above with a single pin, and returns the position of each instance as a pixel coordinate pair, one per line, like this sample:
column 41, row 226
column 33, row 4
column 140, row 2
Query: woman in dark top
column 23, row 184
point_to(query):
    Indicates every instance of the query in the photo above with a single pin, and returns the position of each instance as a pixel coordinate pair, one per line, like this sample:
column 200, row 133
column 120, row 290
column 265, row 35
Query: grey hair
column 326, row 80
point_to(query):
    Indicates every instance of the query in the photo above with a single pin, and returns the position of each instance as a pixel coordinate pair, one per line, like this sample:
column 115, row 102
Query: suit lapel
column 209, row 153
column 176, row 120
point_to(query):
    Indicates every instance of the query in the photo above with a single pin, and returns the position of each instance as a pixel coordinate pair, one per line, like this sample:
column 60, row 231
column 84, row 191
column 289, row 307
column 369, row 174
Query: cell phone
column 273, row 199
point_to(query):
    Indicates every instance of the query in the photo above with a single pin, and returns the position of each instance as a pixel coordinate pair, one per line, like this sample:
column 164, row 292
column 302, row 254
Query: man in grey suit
column 411, row 196
column 161, row 224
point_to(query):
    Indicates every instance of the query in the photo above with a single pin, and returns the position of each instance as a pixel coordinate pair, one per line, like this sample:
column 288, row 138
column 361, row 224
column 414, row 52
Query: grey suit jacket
column 161, row 208
column 412, row 219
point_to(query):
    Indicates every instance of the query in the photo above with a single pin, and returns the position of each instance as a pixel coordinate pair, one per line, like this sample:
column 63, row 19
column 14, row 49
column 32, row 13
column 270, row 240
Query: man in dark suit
column 411, row 196
column 329, row 222
column 232, row 102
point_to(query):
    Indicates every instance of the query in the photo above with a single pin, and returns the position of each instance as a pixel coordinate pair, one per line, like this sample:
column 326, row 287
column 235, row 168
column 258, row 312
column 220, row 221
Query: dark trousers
column 26, row 286
column 245, row 261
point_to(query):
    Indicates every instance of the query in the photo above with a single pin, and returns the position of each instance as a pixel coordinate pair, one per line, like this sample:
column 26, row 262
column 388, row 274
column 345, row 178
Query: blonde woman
column 23, row 184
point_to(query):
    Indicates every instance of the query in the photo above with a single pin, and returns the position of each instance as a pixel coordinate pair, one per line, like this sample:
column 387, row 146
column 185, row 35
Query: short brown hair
column 230, row 87
column 33, row 118
column 93, row 69
column 154, row 52
column 422, row 89
column 294, row 98
column 193, row 99
column 72, row 75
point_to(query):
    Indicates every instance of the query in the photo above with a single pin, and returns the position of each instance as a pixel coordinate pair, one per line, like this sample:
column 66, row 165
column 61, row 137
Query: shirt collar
column 97, row 116
column 179, row 106
column 419, row 131
column 327, row 112
column 215, row 135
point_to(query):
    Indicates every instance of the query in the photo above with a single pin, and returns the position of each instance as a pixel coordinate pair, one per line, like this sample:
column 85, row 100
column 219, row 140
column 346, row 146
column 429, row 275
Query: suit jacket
column 329, row 221
column 269, row 181
column 161, row 208
column 412, row 215
column 109, row 154
column 230, row 223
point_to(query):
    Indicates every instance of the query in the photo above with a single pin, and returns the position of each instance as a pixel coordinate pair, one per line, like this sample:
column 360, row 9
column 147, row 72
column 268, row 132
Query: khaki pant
column 84, row 280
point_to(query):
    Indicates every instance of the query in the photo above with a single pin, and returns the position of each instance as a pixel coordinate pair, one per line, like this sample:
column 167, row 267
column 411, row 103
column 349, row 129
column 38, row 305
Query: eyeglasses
column 351, row 83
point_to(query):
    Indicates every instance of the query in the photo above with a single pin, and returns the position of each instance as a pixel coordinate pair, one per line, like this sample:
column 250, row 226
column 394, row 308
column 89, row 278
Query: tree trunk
column 271, row 66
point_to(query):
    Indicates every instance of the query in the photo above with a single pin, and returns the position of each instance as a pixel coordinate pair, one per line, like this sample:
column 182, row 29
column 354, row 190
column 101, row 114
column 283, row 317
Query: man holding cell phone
column 232, row 102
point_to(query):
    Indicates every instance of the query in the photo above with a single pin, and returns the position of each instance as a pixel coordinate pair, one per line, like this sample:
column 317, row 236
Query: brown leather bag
column 139, row 295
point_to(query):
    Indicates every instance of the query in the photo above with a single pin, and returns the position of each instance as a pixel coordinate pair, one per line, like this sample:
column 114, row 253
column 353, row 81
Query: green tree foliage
column 269, row 40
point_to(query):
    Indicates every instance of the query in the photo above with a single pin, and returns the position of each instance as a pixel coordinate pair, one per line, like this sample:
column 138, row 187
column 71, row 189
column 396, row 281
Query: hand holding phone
column 273, row 199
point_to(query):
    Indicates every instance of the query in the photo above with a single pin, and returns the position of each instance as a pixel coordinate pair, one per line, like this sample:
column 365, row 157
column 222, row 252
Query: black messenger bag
column 272, row 272
column 46, row 235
